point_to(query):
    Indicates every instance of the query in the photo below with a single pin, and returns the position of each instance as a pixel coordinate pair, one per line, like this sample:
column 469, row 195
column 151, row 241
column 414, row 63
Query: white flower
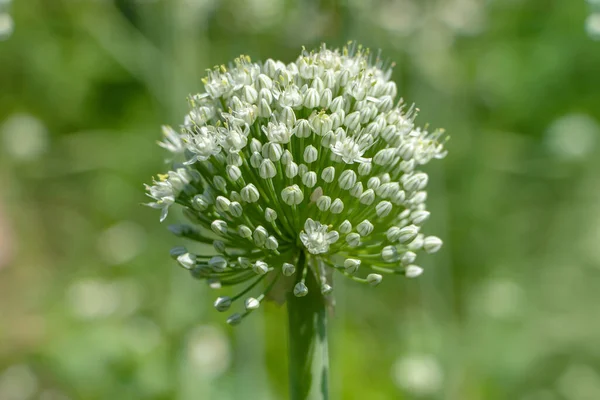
column 203, row 144
column 172, row 141
column 279, row 160
column 316, row 237
column 277, row 133
column 166, row 190
column 351, row 151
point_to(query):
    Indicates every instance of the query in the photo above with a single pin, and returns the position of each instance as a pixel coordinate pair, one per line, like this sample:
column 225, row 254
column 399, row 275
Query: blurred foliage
column 93, row 308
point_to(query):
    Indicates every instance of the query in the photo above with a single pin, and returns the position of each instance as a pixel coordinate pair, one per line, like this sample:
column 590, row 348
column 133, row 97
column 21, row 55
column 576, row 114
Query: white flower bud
column 234, row 319
column 345, row 227
column 316, row 194
column 187, row 260
column 408, row 233
column 309, row 179
column 373, row 183
column 351, row 265
column 383, row 209
column 311, row 98
column 255, row 145
column 310, row 154
column 357, row 190
column 323, row 203
column 259, row 236
column 352, row 121
column 256, row 159
column 337, row 119
column 302, row 129
column 222, row 303
column 302, row 169
column 419, row 216
column 286, row 157
column 393, row 234
column 391, row 89
column 412, row 271
column 417, row 243
column 407, row 166
column 233, row 172
column 244, row 231
column 408, row 258
column 353, row 239
column 274, row 151
column 267, row 169
column 387, row 190
column 321, row 123
column 419, row 197
column 219, row 183
column 416, row 182
column 292, row 195
column 432, row 244
column 234, row 159
column 288, row 117
column 367, row 198
column 328, row 139
column 260, row 267
column 266, row 95
column 347, row 179
column 288, row 269
column 337, row 206
column 244, row 262
column 300, row 289
column 270, row 67
column 326, row 98
column 374, row 279
column 389, row 254
column 250, row 193
column 317, row 83
column 217, row 263
column 219, row 246
column 389, row 133
column 219, row 227
column 264, row 111
column 399, row 197
column 250, row 94
column 384, row 157
column 386, row 104
column 329, row 79
column 364, row 169
column 326, row 289
column 200, row 202
column 337, row 104
column 271, row 243
column 264, row 82
column 270, row 215
column 222, row 204
column 291, row 170
column 365, row 228
column 344, row 77
column 235, row 209
column 328, row 174
column 251, row 304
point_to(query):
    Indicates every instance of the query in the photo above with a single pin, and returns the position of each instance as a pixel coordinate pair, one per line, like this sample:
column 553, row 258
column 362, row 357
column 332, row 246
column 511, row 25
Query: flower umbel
column 315, row 157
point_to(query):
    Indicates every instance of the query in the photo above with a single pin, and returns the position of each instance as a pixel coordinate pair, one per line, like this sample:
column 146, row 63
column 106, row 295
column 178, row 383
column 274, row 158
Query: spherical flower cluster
column 313, row 160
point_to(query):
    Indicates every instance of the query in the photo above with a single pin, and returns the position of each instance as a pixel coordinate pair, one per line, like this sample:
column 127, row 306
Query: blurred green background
column 92, row 307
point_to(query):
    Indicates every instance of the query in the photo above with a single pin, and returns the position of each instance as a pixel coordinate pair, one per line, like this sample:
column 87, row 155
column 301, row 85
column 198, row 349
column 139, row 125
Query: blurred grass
column 93, row 308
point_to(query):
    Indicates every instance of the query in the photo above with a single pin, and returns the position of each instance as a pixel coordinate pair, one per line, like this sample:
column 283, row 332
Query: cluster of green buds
column 313, row 160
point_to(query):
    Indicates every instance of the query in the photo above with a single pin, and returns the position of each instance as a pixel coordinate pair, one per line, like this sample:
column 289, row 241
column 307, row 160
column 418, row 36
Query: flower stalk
column 308, row 353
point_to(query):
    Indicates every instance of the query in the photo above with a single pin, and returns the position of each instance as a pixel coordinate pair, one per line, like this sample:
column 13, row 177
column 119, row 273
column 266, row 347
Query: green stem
column 308, row 356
